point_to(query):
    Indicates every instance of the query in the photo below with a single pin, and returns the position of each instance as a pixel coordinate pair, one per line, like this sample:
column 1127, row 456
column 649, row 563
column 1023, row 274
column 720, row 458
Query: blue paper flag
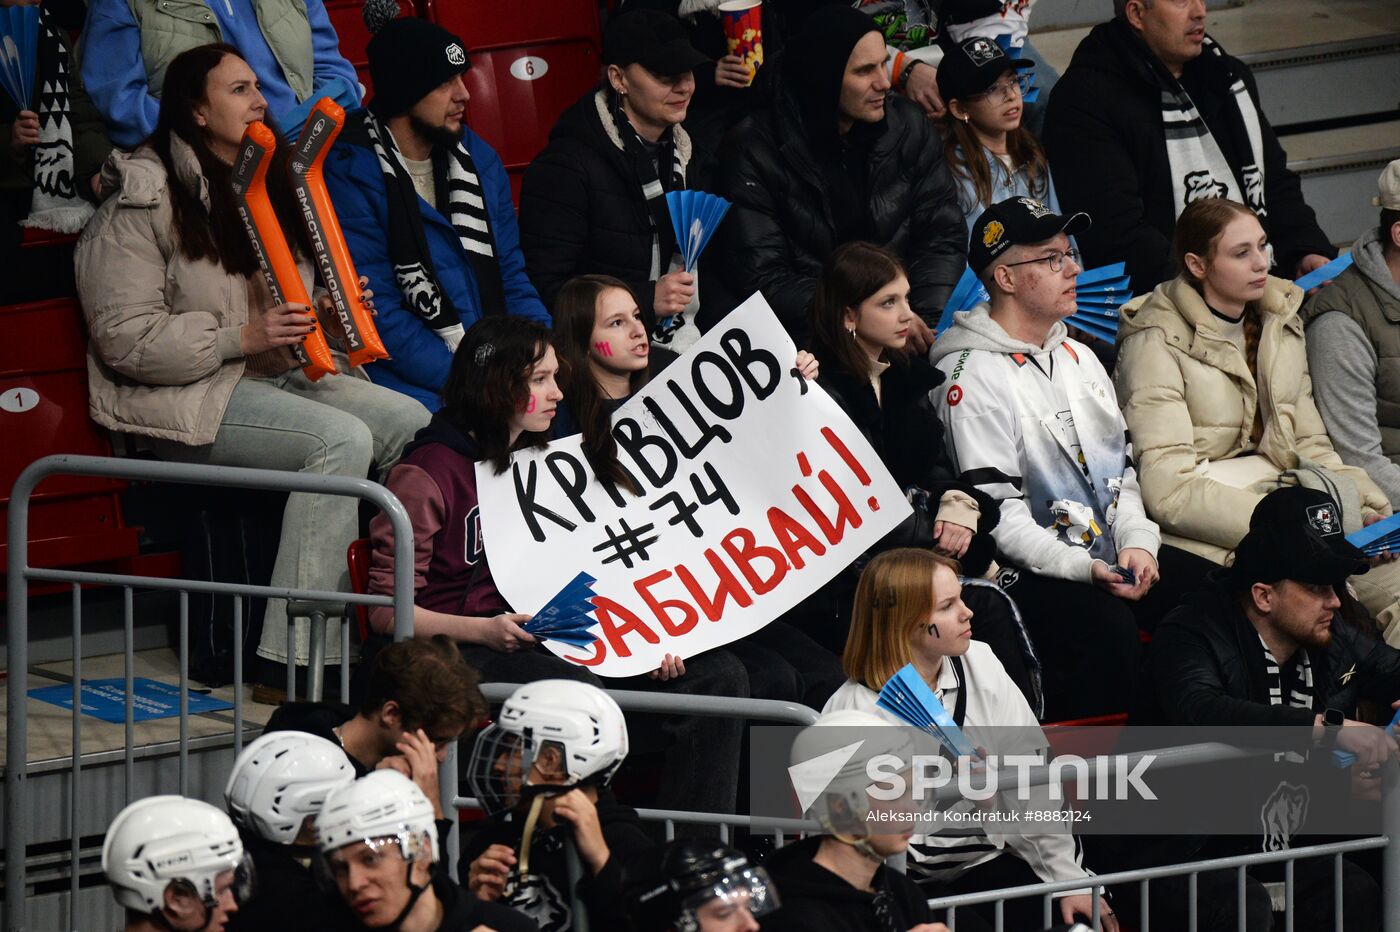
column 908, row 698
column 1325, row 274
column 694, row 217
column 19, row 52
column 106, row 699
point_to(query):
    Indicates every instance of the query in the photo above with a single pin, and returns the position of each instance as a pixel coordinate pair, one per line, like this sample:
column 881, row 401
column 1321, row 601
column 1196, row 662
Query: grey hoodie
column 1344, row 363
column 1038, row 428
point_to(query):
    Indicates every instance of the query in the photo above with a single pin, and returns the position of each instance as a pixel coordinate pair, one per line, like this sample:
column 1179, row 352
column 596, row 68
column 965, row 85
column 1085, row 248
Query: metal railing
column 20, row 573
column 1195, row 755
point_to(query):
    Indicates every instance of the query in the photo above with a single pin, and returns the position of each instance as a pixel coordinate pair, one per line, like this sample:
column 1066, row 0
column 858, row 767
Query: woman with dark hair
column 607, row 358
column 860, row 318
column 188, row 349
column 1213, row 379
column 501, row 394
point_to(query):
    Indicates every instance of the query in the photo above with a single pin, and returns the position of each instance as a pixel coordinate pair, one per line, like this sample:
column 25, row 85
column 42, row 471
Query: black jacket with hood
column 799, row 189
column 1108, row 153
column 461, row 912
column 815, row 898
column 582, row 209
column 905, row 431
column 544, row 895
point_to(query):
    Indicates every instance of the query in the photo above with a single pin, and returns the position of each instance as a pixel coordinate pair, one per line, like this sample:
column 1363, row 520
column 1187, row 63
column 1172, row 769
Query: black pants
column 701, row 770
column 785, row 664
column 1087, row 638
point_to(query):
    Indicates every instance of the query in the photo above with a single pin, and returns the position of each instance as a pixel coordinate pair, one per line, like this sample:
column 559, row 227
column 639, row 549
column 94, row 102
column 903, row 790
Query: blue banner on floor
column 106, row 699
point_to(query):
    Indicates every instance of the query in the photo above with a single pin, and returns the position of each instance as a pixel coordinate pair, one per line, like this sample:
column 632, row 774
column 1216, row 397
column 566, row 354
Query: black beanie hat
column 816, row 59
column 409, row 57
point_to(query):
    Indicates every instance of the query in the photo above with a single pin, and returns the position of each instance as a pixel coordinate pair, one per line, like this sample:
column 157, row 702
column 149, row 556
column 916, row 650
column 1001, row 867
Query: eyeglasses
column 1055, row 259
column 1008, row 88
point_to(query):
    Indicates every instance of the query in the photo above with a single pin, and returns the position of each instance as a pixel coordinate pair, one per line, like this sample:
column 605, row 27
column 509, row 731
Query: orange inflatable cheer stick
column 274, row 255
column 323, row 226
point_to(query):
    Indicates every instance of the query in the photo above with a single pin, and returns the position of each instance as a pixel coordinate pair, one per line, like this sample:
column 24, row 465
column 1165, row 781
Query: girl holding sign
column 909, row 609
column 502, row 394
column 188, row 348
column 602, row 340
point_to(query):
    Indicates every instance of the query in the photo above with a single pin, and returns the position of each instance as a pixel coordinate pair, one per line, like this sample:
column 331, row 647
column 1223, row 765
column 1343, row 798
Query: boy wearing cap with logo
column 1356, row 318
column 1033, row 421
column 1266, row 644
column 426, row 208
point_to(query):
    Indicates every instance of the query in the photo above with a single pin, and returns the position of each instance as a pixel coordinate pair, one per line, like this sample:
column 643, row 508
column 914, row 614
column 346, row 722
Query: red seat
column 357, row 559
column 526, row 69
column 43, row 410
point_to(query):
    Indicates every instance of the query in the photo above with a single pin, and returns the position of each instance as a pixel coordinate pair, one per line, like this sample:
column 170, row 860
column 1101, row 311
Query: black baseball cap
column 974, row 65
column 1296, row 533
column 1016, row 221
column 652, row 39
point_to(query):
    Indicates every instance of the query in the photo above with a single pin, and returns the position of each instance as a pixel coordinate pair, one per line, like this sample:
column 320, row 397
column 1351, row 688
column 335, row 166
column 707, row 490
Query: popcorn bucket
column 743, row 31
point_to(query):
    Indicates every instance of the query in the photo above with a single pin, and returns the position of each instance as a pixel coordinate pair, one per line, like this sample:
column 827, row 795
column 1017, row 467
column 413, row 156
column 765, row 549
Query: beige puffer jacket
column 1189, row 401
column 164, row 350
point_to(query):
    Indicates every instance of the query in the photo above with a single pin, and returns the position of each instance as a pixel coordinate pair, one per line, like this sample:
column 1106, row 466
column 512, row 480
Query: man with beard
column 426, row 209
column 1268, row 644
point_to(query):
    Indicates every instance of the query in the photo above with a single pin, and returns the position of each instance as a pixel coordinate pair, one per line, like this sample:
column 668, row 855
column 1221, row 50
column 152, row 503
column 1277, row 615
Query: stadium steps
column 1329, row 78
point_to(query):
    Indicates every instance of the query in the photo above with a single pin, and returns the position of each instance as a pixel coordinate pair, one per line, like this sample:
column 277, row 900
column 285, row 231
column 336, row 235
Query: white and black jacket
column 1038, row 429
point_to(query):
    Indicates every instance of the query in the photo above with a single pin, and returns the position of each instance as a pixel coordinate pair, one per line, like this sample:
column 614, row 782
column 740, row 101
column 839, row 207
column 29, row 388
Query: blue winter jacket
column 419, row 360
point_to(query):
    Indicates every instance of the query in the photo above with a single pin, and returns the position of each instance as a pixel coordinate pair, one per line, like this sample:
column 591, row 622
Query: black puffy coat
column 582, row 209
column 1108, row 153
column 780, row 229
column 906, row 432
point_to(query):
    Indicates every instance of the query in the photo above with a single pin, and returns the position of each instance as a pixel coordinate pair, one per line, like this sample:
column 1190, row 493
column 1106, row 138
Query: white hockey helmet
column 282, row 778
column 583, row 720
column 839, row 798
column 162, row 839
column 379, row 805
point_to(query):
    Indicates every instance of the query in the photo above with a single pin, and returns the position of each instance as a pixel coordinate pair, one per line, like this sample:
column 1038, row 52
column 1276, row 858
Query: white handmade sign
column 755, row 490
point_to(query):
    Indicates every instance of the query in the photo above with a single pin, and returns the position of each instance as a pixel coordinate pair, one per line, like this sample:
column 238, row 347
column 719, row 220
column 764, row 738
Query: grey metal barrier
column 17, row 813
column 1189, row 755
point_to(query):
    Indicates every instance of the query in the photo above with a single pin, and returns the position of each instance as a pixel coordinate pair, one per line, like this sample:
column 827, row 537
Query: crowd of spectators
column 1194, row 492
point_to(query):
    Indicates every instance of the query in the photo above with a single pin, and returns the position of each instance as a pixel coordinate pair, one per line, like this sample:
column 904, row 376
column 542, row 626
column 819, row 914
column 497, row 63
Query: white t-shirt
column 1013, row 20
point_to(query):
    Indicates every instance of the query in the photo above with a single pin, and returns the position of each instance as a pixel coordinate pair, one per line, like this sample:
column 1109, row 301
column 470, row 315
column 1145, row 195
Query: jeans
column 336, row 426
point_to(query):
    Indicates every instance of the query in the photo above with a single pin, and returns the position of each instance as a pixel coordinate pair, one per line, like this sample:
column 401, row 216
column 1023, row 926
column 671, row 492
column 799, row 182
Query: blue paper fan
column 1376, row 535
column 694, row 217
column 1030, row 91
column 1328, row 272
column 908, row 698
column 1100, row 292
column 568, row 616
column 19, row 52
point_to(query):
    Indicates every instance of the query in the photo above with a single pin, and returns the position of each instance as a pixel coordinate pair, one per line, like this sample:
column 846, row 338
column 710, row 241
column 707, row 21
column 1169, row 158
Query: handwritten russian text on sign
column 755, row 490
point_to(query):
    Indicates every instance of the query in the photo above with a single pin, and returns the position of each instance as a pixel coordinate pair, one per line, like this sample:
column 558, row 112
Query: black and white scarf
column 56, row 204
column 668, row 331
column 1197, row 164
column 455, row 177
column 1300, row 696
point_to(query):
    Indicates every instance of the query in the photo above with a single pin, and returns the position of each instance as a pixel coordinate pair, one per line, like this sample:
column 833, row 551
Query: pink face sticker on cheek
column 603, row 347
column 531, row 404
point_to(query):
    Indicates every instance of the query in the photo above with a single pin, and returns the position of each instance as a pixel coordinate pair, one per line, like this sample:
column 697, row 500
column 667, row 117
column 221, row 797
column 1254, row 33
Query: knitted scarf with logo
column 457, row 182
column 1198, row 167
column 56, row 203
